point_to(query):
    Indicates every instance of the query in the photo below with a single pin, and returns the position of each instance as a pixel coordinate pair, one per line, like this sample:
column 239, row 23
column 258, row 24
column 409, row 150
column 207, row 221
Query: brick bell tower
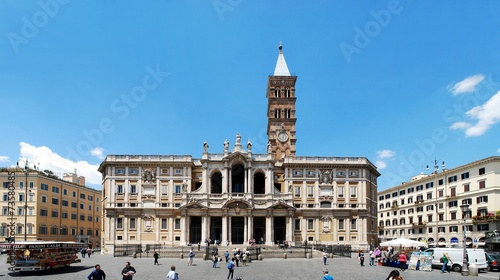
column 281, row 118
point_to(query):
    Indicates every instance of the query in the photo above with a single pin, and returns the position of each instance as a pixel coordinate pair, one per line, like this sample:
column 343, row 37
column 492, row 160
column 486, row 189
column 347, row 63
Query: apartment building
column 38, row 206
column 428, row 207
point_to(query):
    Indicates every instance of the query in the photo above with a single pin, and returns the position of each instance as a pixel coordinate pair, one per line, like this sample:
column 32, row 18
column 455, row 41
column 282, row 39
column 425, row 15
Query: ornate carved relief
column 148, row 175
column 326, row 224
column 325, row 177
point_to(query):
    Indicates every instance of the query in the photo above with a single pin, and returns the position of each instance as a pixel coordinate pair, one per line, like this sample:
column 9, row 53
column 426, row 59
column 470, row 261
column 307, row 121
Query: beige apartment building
column 235, row 195
column 428, row 207
column 51, row 209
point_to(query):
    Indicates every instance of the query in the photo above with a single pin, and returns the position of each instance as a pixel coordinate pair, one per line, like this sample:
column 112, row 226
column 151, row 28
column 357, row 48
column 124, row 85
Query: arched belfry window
column 277, row 92
column 287, row 92
column 238, row 178
column 277, row 113
column 216, row 183
column 259, row 183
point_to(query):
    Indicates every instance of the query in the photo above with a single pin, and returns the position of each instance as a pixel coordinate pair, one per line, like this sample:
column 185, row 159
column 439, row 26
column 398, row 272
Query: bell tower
column 281, row 118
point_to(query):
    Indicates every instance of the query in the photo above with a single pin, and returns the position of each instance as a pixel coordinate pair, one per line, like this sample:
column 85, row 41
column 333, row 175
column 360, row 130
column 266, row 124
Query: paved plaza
column 340, row 268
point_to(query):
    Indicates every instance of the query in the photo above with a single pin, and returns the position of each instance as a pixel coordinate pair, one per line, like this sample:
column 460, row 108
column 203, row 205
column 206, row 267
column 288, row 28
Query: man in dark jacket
column 128, row 271
column 97, row 274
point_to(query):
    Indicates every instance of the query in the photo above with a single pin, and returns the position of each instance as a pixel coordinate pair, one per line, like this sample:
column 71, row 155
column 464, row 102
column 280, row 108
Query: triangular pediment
column 193, row 205
column 281, row 205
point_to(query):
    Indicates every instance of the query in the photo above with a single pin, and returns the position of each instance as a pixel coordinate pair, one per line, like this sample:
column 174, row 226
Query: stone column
column 183, row 228
column 224, row 228
column 171, row 229
column 269, row 228
column 245, row 229
column 289, row 227
column 203, row 228
column 229, row 231
column 250, row 225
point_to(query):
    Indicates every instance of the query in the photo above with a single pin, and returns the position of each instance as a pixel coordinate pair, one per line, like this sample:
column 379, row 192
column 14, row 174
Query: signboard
column 454, row 240
column 420, row 261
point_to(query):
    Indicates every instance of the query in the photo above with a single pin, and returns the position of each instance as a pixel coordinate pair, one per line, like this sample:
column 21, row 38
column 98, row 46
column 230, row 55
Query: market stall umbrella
column 403, row 242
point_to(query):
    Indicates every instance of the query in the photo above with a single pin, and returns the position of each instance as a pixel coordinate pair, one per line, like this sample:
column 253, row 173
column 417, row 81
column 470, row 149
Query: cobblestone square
column 340, row 269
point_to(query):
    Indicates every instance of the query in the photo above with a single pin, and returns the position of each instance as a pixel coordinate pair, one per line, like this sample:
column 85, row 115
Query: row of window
column 55, row 189
column 119, row 189
column 64, row 215
column 428, row 185
column 326, row 192
column 43, row 229
column 132, row 171
column 451, row 229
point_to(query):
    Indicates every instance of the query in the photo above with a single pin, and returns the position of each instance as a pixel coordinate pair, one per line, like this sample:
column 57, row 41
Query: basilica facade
column 236, row 195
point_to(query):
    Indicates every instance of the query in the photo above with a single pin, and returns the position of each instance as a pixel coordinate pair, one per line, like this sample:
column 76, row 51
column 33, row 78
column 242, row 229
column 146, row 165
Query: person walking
column 97, row 273
column 215, row 259
column 191, row 257
column 128, row 271
column 445, row 259
column 226, row 255
column 361, row 258
column 326, row 276
column 172, row 275
column 156, row 256
column 230, row 267
column 372, row 258
column 325, row 256
column 402, row 261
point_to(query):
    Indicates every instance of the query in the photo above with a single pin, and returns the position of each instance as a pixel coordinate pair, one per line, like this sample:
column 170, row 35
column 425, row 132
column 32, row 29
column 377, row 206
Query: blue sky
column 402, row 83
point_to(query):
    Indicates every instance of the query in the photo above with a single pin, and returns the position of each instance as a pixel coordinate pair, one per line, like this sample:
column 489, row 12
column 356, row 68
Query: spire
column 281, row 68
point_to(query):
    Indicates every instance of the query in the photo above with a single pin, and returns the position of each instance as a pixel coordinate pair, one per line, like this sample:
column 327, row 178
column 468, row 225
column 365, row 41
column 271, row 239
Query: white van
column 475, row 256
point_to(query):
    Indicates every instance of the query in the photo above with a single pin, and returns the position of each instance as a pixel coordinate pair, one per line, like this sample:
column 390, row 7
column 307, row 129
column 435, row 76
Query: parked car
column 97, row 249
column 493, row 260
column 3, row 251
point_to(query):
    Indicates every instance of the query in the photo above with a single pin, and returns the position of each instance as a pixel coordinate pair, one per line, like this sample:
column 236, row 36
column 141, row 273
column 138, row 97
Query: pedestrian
column 238, row 256
column 230, row 267
column 156, row 256
column 89, row 252
column 326, row 276
column 244, row 259
column 84, row 252
column 199, row 245
column 402, row 261
column 128, row 271
column 445, row 259
column 227, row 244
column 394, row 275
column 97, row 273
column 172, row 275
column 362, row 258
column 191, row 257
column 226, row 255
column 325, row 256
column 215, row 259
column 372, row 257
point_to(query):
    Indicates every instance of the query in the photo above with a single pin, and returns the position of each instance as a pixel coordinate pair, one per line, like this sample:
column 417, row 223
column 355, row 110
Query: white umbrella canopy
column 403, row 242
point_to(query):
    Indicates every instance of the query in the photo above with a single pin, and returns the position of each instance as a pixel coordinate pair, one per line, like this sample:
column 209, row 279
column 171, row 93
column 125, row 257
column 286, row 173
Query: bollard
column 135, row 255
column 473, row 270
column 260, row 257
column 284, row 256
column 182, row 255
column 204, row 257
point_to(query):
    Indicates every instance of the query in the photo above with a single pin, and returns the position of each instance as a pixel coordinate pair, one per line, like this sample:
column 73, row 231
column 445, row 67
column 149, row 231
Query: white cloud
column 4, row 159
column 98, row 152
column 460, row 125
column 380, row 164
column 468, row 84
column 498, row 151
column 48, row 160
column 484, row 116
column 385, row 153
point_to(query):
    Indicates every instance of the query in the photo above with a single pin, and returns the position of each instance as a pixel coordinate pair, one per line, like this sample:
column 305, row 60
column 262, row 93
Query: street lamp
column 465, row 268
column 26, row 172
